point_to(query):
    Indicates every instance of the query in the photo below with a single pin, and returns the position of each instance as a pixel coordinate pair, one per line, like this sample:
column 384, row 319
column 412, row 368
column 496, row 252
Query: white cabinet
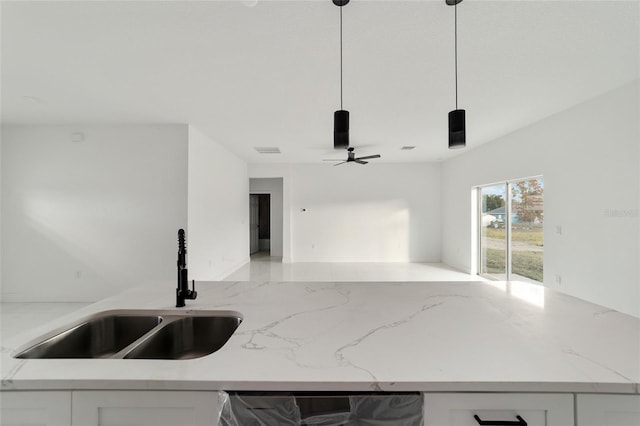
column 109, row 408
column 191, row 408
column 608, row 410
column 30, row 408
column 459, row 409
column 145, row 408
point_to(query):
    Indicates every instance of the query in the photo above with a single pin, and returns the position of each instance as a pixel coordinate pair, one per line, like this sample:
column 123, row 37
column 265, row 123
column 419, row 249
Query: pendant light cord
column 455, row 26
column 341, row 57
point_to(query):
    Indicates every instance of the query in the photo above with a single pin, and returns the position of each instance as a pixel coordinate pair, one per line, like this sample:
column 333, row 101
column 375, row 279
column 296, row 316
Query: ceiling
column 266, row 73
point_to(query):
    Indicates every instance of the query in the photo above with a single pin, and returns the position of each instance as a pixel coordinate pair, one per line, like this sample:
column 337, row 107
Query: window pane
column 527, row 217
column 493, row 239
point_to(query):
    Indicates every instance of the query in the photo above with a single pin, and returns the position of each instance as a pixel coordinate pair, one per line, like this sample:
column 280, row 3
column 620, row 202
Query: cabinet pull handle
column 481, row 422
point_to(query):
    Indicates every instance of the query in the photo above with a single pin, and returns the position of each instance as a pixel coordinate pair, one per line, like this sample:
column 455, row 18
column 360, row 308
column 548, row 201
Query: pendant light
column 457, row 127
column 340, row 117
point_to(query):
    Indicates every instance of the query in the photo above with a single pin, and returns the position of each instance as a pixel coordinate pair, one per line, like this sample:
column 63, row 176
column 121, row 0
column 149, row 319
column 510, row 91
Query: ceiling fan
column 351, row 158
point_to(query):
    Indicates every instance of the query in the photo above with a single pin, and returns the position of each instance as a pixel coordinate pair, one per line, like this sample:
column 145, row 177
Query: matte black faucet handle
column 193, row 293
column 182, row 290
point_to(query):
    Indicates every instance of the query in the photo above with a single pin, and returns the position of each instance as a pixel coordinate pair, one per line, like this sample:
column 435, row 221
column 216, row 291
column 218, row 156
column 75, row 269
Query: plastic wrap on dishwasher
column 383, row 410
column 258, row 410
column 272, row 409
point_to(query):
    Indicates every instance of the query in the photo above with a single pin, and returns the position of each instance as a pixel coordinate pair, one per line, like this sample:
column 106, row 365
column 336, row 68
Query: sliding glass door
column 527, row 213
column 493, row 236
column 511, row 230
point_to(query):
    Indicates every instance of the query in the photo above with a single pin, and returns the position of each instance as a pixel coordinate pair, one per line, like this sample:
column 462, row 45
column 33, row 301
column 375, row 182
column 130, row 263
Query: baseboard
column 354, row 260
column 230, row 270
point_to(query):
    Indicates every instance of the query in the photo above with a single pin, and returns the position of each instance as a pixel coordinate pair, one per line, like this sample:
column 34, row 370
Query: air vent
column 267, row 149
column 407, row 148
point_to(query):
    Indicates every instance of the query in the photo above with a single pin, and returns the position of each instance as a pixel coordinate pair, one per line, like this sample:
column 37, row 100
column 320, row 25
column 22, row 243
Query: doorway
column 272, row 226
column 260, row 224
column 511, row 230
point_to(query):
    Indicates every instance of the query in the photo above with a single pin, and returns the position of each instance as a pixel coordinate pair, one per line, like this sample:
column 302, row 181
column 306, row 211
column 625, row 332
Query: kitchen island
column 365, row 337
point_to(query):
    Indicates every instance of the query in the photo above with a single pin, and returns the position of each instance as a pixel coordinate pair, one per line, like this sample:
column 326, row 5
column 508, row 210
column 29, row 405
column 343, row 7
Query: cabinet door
column 458, row 409
column 145, row 408
column 608, row 410
column 30, row 408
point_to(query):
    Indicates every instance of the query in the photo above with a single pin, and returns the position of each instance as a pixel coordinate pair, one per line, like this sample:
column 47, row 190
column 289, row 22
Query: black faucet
column 183, row 292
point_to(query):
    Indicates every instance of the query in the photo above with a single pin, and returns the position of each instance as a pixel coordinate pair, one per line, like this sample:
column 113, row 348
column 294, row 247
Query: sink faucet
column 183, row 292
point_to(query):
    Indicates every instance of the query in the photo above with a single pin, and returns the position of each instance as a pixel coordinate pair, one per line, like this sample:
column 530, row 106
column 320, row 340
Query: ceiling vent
column 267, row 149
column 407, row 148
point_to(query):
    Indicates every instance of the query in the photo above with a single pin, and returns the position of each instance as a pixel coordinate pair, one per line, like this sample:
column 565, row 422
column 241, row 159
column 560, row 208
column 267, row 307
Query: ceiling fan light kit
column 351, row 158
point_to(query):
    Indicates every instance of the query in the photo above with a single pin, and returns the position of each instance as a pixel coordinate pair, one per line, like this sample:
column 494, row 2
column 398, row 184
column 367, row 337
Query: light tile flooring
column 265, row 268
column 17, row 317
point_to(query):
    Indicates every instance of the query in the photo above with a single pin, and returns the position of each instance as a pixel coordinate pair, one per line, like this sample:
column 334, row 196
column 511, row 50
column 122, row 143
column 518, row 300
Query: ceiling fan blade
column 340, row 163
column 359, row 161
column 368, row 157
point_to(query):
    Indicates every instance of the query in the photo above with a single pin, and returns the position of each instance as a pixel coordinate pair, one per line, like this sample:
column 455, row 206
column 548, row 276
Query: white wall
column 84, row 220
column 374, row 213
column 218, row 234
column 273, row 187
column 588, row 156
column 1, row 216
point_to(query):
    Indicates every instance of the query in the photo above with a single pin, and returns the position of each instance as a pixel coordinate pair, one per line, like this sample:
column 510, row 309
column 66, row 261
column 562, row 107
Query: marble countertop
column 425, row 336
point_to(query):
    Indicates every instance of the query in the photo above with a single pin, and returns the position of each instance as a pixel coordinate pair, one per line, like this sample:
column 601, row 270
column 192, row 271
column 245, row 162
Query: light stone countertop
column 419, row 336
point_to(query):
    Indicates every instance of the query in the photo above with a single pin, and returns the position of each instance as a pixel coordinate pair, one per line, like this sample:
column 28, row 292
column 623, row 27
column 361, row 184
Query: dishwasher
column 321, row 409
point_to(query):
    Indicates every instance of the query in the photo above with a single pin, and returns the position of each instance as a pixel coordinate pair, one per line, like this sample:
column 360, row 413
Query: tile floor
column 265, row 268
column 17, row 317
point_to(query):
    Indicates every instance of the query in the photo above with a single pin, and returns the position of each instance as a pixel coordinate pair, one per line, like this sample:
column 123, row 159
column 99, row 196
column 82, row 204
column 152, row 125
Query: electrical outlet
column 558, row 279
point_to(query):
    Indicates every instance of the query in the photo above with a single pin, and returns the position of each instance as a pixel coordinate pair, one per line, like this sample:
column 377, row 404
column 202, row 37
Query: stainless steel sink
column 139, row 335
column 187, row 338
column 100, row 337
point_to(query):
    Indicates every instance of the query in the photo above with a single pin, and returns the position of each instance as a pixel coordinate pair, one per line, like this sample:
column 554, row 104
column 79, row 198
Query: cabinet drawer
column 27, row 408
column 145, row 408
column 460, row 409
column 608, row 410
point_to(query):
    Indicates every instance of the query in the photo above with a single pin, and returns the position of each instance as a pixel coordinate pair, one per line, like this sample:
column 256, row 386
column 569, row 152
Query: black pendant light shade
column 341, row 129
column 340, row 117
column 457, row 129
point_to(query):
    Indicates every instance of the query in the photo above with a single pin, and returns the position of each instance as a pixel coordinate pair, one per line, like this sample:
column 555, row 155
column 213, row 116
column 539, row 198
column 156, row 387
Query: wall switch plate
column 77, row 137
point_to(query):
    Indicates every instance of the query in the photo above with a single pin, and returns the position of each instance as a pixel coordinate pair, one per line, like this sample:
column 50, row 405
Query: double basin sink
column 133, row 334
